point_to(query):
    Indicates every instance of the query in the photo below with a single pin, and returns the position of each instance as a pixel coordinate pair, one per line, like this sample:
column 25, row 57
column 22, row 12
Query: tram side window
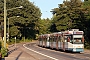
column 40, row 39
column 62, row 39
column 45, row 39
column 54, row 39
column 69, row 39
column 59, row 38
column 65, row 38
column 48, row 39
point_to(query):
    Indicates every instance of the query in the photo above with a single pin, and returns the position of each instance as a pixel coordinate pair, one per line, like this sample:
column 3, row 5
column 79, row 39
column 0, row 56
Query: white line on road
column 40, row 53
column 87, row 57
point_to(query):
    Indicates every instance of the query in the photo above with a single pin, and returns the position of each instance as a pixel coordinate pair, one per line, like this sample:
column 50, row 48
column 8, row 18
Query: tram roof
column 73, row 32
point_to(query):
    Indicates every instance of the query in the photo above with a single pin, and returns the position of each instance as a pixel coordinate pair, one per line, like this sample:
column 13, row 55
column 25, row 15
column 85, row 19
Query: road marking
column 87, row 57
column 40, row 53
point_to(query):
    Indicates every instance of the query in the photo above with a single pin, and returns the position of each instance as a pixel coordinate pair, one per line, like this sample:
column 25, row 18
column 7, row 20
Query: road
column 34, row 52
column 39, row 53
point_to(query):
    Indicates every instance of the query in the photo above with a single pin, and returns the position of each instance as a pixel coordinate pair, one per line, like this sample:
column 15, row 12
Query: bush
column 4, row 52
column 0, row 45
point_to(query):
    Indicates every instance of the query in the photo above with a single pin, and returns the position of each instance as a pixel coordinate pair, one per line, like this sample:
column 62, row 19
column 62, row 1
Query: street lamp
column 15, row 8
column 5, row 23
column 8, row 26
column 5, row 14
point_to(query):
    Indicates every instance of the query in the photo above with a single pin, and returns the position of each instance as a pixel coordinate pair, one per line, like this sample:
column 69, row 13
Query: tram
column 70, row 40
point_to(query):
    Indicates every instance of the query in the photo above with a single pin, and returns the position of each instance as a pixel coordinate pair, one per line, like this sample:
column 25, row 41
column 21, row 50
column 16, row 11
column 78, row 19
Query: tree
column 44, row 26
column 86, row 5
column 28, row 16
column 69, row 15
column 14, row 31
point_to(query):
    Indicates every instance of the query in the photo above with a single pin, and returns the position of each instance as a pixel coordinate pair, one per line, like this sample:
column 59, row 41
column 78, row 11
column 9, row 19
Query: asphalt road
column 40, row 53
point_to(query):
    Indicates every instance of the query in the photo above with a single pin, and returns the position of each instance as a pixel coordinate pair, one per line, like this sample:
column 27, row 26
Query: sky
column 46, row 6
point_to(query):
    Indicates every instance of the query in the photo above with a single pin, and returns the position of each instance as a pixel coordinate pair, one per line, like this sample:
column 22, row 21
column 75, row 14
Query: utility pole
column 5, row 23
column 5, row 15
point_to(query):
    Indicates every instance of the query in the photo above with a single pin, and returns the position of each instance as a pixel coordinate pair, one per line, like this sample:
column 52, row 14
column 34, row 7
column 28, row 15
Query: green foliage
column 43, row 26
column 27, row 20
column 86, row 5
column 4, row 52
column 69, row 15
column 14, row 31
column 0, row 45
column 87, row 44
column 11, row 41
column 26, row 40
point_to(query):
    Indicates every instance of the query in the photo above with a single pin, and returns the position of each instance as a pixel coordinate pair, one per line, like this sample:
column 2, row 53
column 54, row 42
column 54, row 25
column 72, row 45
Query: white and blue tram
column 67, row 40
column 44, row 40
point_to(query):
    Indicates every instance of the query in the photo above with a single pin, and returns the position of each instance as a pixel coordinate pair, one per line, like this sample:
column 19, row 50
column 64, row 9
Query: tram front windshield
column 77, row 41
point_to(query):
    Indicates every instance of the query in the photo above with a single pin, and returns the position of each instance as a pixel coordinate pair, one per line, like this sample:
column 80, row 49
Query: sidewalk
column 17, row 53
column 13, row 53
